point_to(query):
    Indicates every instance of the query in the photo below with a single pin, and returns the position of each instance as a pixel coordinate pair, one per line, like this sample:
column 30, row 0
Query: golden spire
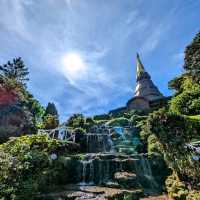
column 139, row 66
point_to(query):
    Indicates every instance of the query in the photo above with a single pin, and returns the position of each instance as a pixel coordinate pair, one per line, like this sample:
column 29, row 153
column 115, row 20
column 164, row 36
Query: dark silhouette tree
column 51, row 109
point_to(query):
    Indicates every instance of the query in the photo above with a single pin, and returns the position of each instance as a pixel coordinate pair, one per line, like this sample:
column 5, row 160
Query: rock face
column 127, row 180
column 72, row 192
column 145, row 91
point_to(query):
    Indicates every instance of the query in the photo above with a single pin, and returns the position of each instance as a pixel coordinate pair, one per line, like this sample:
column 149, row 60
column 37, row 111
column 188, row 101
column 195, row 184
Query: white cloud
column 13, row 17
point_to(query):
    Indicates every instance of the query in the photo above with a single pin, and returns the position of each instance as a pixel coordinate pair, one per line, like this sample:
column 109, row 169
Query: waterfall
column 111, row 144
column 87, row 172
column 120, row 131
column 98, row 143
column 148, row 172
column 143, row 169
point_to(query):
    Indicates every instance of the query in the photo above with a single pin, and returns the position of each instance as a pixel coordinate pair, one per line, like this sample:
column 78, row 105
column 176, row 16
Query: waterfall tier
column 100, row 169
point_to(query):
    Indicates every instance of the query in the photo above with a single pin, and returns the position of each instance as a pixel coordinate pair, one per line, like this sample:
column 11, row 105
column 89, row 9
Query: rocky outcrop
column 72, row 192
column 127, row 180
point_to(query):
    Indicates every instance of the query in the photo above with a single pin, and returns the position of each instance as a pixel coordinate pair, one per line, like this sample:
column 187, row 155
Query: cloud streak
column 43, row 32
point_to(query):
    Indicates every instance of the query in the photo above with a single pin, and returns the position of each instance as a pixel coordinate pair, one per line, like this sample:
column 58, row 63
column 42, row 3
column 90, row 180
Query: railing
column 62, row 133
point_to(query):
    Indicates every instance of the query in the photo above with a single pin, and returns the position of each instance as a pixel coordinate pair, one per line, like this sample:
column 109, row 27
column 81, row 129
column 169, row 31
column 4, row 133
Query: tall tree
column 15, row 70
column 192, row 58
column 51, row 109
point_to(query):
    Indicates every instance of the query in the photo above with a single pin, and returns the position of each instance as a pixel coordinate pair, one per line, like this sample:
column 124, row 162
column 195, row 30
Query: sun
column 73, row 64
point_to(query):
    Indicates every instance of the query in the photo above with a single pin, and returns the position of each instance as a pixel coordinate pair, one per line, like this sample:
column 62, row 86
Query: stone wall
column 138, row 103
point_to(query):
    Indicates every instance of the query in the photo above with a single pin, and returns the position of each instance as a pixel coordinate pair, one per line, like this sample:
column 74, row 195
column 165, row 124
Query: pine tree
column 15, row 70
column 51, row 109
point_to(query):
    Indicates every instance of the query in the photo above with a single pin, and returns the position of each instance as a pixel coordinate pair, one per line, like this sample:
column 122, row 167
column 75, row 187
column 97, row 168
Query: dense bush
column 174, row 132
column 101, row 117
column 76, row 121
column 136, row 119
column 27, row 165
column 187, row 102
column 193, row 195
column 154, row 145
column 192, row 59
column 121, row 121
column 176, row 189
column 50, row 122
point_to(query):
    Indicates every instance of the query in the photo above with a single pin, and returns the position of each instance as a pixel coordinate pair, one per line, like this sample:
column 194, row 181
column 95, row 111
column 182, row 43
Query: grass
column 195, row 117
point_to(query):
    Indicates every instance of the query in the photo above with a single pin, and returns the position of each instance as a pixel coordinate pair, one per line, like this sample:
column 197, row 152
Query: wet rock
column 112, row 184
column 126, row 180
column 106, row 156
column 80, row 195
column 113, row 193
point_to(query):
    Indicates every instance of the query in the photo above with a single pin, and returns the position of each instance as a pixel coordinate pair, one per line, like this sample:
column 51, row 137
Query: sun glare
column 73, row 64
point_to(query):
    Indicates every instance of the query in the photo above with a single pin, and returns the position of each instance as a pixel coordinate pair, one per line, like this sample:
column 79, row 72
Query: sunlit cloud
column 73, row 66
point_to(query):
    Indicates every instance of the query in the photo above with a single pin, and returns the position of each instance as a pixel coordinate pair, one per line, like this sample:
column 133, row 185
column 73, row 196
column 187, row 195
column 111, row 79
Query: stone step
column 91, row 193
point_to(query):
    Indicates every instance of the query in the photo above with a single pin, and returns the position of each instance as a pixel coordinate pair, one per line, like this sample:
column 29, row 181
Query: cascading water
column 148, row 173
column 87, row 172
column 104, row 159
column 98, row 143
column 143, row 169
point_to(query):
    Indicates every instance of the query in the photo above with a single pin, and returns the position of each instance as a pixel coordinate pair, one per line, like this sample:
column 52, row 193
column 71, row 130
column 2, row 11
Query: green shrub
column 121, row 121
column 136, row 119
column 26, row 166
column 175, row 188
column 187, row 103
column 50, row 121
column 79, row 131
column 76, row 121
column 101, row 117
column 154, row 145
column 173, row 132
column 193, row 195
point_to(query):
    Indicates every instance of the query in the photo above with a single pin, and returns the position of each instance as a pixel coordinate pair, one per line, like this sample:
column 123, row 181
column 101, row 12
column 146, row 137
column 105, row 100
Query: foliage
column 34, row 107
column 136, row 119
column 50, row 121
column 27, row 168
column 173, row 132
column 101, row 117
column 181, row 83
column 196, row 117
column 154, row 145
column 76, row 121
column 187, row 102
column 15, row 70
column 79, row 131
column 176, row 189
column 121, row 121
column 192, row 59
column 20, row 111
column 193, row 195
column 127, row 197
column 51, row 110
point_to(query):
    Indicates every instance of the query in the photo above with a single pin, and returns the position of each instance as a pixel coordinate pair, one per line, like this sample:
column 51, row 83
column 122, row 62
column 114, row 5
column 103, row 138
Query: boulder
column 126, row 179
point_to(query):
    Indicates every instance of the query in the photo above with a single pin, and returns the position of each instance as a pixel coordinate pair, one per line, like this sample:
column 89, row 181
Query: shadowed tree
column 51, row 109
column 192, row 58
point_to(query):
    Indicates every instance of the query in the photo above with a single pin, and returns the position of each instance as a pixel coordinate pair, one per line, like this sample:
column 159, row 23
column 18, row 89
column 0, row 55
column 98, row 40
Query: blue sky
column 81, row 53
